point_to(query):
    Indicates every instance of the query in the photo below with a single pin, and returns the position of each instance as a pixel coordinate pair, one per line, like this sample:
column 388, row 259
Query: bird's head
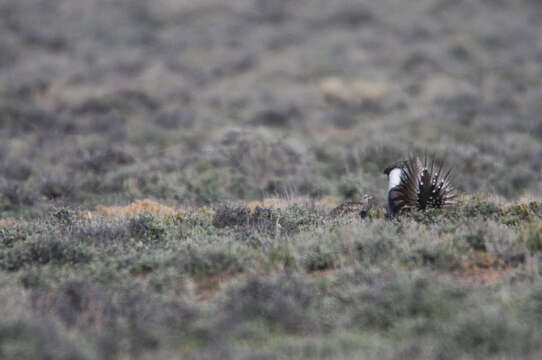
column 368, row 201
column 396, row 165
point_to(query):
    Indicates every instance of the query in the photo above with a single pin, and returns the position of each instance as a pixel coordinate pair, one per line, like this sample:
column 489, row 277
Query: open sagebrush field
column 146, row 281
column 245, row 122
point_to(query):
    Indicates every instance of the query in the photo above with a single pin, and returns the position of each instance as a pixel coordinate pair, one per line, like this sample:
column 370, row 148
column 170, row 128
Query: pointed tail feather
column 423, row 185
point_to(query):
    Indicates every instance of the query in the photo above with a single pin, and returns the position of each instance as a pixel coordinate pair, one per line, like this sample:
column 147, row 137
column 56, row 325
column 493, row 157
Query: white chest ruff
column 394, row 178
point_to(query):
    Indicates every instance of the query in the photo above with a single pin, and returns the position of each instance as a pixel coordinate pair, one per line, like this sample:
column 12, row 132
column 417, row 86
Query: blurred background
column 193, row 102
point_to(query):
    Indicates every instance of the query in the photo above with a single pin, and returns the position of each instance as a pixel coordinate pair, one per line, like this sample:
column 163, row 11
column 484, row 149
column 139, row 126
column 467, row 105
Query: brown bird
column 347, row 208
column 414, row 184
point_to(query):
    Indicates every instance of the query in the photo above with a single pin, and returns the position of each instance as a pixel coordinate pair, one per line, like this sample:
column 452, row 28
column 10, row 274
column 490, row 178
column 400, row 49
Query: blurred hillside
column 193, row 102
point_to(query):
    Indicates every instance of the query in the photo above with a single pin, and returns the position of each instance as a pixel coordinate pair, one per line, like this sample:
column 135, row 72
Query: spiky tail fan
column 423, row 185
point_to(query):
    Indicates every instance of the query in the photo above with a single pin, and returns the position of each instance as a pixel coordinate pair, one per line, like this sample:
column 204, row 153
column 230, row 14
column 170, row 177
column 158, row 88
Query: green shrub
column 147, row 228
column 43, row 250
column 479, row 208
column 281, row 255
column 320, row 257
column 284, row 302
column 35, row 339
column 531, row 236
column 440, row 256
column 14, row 234
column 211, row 260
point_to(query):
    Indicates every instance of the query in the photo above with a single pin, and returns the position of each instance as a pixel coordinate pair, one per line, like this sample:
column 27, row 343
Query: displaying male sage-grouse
column 414, row 184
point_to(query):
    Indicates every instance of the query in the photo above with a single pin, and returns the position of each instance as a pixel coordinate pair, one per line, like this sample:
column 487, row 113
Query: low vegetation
column 288, row 282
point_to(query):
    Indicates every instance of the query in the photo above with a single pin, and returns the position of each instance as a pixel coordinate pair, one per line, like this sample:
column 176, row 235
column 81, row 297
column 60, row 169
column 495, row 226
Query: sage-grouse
column 414, row 184
column 347, row 208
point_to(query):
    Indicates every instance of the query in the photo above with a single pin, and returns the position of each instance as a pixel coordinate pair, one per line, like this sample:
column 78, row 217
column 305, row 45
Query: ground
column 168, row 170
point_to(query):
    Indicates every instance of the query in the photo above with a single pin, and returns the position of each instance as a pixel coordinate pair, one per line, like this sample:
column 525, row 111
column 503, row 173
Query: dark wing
column 395, row 201
column 407, row 190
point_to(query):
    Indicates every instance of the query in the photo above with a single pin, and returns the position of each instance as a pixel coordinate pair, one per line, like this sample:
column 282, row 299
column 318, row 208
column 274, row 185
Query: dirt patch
column 485, row 269
column 481, row 276
column 208, row 286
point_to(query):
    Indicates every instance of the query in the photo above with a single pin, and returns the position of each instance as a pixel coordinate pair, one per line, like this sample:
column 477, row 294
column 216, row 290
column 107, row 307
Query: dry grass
column 154, row 208
column 325, row 203
column 8, row 222
column 277, row 202
column 356, row 91
column 138, row 207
